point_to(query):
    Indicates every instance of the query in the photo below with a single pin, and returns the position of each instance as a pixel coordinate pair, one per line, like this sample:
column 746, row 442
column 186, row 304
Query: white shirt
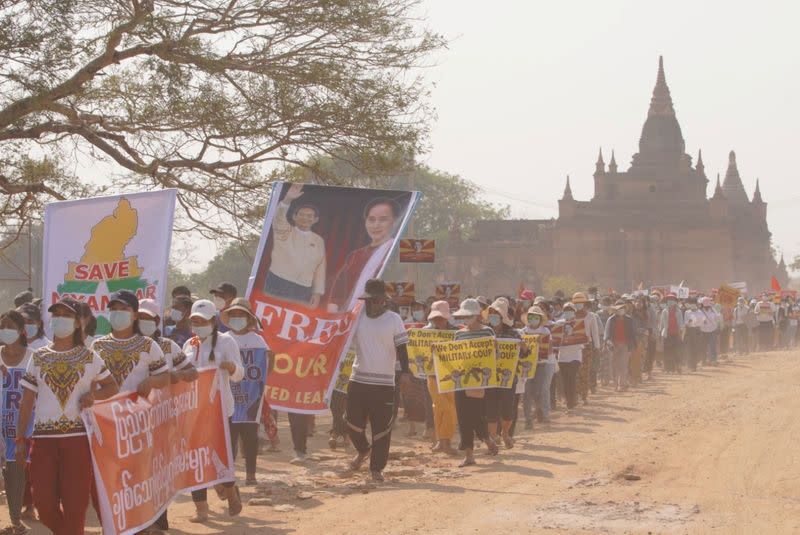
column 297, row 256
column 132, row 360
column 375, row 341
column 38, row 343
column 59, row 379
column 694, row 318
column 226, row 350
column 713, row 320
column 173, row 354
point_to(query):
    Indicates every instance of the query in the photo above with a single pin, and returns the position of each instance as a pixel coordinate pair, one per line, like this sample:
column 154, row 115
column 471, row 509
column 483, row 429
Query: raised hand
column 295, row 191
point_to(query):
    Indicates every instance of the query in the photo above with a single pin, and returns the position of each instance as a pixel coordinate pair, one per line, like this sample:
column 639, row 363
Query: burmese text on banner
column 319, row 246
column 147, row 450
column 419, row 349
column 465, row 364
column 93, row 247
column 507, row 357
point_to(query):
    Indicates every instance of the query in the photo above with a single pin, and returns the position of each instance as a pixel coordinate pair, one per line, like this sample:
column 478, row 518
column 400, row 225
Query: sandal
column 467, row 462
column 492, row 445
column 359, row 459
column 234, row 501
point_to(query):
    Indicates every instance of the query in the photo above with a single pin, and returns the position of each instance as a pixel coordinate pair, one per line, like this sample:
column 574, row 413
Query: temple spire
column 600, row 166
column 612, row 165
column 782, row 264
column 732, row 186
column 700, row 166
column 718, row 195
column 757, row 194
column 567, row 192
column 661, row 103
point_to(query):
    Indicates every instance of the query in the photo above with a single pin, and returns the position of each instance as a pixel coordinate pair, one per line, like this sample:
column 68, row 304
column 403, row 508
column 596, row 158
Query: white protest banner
column 93, row 247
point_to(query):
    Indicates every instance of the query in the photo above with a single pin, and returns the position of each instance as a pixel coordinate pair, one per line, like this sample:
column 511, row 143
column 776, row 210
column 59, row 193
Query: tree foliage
column 210, row 97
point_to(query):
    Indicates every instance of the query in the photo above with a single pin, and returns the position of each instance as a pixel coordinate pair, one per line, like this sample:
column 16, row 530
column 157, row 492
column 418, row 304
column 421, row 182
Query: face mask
column 418, row 315
column 219, row 303
column 120, row 319
column 534, row 321
column 578, row 306
column 494, row 320
column 203, row 331
column 671, row 303
column 526, row 304
column 31, row 331
column 569, row 315
column 373, row 309
column 620, row 312
column 237, row 324
column 9, row 336
column 147, row 327
column 175, row 315
column 459, row 322
column 62, row 327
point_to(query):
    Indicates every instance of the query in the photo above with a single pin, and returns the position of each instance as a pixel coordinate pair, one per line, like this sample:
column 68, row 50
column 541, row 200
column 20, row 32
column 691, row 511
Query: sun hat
column 469, row 307
column 440, row 309
column 579, row 297
column 239, row 303
column 500, row 306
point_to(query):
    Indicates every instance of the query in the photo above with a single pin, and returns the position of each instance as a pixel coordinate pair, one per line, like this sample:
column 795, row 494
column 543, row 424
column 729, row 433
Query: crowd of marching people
column 47, row 467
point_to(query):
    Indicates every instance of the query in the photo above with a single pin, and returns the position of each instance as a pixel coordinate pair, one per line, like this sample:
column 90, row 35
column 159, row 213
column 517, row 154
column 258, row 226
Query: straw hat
column 579, row 297
column 238, row 304
column 536, row 310
column 500, row 305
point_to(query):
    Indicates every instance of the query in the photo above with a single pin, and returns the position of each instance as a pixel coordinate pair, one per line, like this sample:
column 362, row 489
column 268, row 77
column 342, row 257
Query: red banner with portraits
column 319, row 247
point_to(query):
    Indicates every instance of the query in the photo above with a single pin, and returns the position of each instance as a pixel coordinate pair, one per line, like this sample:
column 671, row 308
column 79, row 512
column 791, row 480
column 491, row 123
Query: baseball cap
column 204, row 309
column 125, row 297
column 225, row 288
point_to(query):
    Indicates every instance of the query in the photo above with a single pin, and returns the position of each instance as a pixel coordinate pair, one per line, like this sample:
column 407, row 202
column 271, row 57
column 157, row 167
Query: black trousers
column 249, row 433
column 471, row 413
column 373, row 404
column 499, row 404
column 338, row 406
column 765, row 336
column 569, row 377
column 672, row 353
column 14, row 477
column 298, row 425
column 695, row 347
column 650, row 355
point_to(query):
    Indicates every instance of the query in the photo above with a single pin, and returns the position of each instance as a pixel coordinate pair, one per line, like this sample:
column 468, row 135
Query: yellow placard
column 345, row 368
column 419, row 349
column 526, row 366
column 465, row 364
column 507, row 358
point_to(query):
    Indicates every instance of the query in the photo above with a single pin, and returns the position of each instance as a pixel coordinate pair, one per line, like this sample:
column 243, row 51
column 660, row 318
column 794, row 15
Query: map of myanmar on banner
column 94, row 247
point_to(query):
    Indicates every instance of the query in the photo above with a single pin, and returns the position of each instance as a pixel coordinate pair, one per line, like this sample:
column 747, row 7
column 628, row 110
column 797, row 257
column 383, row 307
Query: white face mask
column 237, row 324
column 31, row 331
column 9, row 336
column 219, row 303
column 418, row 315
column 578, row 306
column 147, row 327
column 120, row 319
column 203, row 331
column 175, row 315
column 62, row 327
column 569, row 314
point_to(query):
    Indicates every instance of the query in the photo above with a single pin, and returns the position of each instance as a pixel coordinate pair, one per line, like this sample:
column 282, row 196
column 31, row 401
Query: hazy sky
column 528, row 91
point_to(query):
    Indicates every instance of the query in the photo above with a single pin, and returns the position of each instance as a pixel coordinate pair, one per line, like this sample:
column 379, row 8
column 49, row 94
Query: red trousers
column 61, row 476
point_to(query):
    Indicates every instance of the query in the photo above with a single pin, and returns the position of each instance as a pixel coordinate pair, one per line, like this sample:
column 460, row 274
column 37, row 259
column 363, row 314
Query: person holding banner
column 444, row 405
column 249, row 392
column 15, row 355
column 537, row 389
column 471, row 404
column 211, row 348
column 62, row 379
column 380, row 340
column 501, row 400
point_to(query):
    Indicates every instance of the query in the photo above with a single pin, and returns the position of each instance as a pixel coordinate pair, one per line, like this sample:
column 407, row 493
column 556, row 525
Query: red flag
column 776, row 286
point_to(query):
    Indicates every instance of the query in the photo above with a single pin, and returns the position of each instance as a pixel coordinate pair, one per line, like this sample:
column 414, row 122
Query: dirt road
column 715, row 451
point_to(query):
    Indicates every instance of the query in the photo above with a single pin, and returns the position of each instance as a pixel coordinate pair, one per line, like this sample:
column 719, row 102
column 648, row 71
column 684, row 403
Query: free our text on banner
column 147, row 450
column 319, row 246
column 507, row 358
column 419, row 349
column 93, row 247
column 465, row 364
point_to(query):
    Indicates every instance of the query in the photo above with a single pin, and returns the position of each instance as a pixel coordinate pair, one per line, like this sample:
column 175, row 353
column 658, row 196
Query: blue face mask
column 31, row 331
column 569, row 315
column 9, row 336
column 494, row 320
column 62, row 327
column 237, row 324
column 175, row 315
column 203, row 331
column 120, row 319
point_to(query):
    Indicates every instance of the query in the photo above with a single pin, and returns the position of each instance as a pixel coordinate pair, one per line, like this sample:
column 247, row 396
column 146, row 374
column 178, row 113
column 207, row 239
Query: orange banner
column 417, row 251
column 146, row 451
